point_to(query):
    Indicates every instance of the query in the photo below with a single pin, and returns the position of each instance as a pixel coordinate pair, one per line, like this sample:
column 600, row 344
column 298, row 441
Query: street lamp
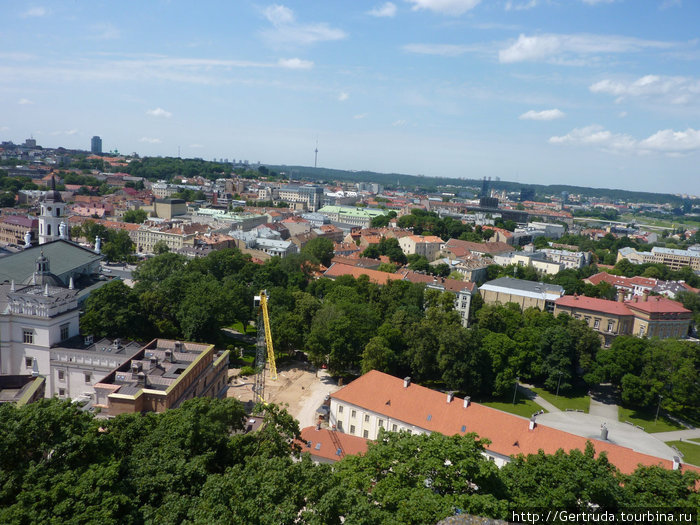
column 515, row 390
column 658, row 408
column 558, row 383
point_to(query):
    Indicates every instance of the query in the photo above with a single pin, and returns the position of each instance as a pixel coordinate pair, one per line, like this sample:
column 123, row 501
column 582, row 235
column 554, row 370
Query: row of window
column 28, row 334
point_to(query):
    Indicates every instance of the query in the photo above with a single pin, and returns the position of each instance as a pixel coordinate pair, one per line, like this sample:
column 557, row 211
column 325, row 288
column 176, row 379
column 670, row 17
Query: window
column 28, row 362
column 366, row 418
column 381, row 423
column 88, row 377
column 596, row 323
column 64, row 331
column 61, row 392
column 340, row 426
column 340, row 409
column 587, row 318
column 641, row 331
column 28, row 336
column 61, row 375
column 394, row 428
column 611, row 324
column 353, row 414
column 365, row 434
column 352, row 429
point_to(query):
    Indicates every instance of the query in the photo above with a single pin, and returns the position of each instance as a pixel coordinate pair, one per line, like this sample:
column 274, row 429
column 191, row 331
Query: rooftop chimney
column 533, row 423
column 169, row 356
column 620, row 296
column 676, row 463
column 179, row 346
column 141, row 379
column 466, row 401
column 646, row 295
column 450, row 396
column 406, row 381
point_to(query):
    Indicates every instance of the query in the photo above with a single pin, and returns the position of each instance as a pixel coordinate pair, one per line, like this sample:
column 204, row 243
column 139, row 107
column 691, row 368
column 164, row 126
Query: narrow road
column 549, row 407
column 307, row 415
column 675, row 435
column 604, row 402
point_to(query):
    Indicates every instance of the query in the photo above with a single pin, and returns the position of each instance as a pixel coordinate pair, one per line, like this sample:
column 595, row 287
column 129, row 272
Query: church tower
column 52, row 214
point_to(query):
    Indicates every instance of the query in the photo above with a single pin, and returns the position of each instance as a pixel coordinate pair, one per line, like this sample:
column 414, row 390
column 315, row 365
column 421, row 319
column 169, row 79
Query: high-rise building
column 96, row 145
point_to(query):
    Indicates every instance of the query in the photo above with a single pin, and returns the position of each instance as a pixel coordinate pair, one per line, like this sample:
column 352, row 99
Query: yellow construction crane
column 264, row 346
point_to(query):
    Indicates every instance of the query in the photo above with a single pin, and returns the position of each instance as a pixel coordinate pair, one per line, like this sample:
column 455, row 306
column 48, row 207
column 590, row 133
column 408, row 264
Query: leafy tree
column 113, row 310
column 119, row 246
column 161, row 247
column 319, row 250
column 136, row 216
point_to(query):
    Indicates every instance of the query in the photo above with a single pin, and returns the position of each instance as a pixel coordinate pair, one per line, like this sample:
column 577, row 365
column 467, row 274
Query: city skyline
column 600, row 93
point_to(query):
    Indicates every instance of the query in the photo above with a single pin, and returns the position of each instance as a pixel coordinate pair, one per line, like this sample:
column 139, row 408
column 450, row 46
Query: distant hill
column 394, row 180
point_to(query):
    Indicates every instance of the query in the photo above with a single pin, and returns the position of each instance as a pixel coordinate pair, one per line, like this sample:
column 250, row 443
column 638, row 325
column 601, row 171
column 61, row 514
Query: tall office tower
column 96, row 145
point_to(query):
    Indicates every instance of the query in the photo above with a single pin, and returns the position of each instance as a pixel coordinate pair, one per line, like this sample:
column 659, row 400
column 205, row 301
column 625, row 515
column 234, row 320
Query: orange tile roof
column 657, row 304
column 509, row 434
column 593, row 304
column 324, row 443
column 375, row 276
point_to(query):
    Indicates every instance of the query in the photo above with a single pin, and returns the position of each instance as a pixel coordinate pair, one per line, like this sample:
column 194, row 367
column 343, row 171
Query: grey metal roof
column 524, row 286
column 63, row 255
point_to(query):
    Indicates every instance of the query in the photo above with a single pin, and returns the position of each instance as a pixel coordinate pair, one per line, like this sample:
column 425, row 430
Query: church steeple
column 52, row 214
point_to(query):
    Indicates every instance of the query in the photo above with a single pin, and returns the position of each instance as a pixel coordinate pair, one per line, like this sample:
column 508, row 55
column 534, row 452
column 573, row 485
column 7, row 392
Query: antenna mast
column 316, row 154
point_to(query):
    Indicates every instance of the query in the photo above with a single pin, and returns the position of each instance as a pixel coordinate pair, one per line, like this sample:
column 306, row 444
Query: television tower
column 316, row 154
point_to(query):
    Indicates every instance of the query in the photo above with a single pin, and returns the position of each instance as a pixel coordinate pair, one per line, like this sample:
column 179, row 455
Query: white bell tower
column 52, row 214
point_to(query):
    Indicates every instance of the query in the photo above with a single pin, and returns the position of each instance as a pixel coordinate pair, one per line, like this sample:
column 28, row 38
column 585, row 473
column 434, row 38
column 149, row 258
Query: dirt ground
column 299, row 387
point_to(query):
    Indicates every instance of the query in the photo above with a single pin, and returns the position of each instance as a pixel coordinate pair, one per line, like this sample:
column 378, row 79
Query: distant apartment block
column 571, row 260
column 163, row 375
column 674, row 259
column 96, row 145
column 526, row 294
column 351, row 215
column 309, row 198
column 13, row 228
column 426, row 246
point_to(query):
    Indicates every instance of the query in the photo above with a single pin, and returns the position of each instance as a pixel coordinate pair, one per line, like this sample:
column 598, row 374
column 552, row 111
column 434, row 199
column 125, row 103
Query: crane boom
column 268, row 335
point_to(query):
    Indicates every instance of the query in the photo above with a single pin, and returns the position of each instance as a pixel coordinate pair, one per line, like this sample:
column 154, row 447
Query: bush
column 248, row 371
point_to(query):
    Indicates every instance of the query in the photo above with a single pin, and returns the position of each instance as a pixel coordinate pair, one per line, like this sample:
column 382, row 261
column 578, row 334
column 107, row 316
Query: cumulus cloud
column 447, row 50
column 667, row 141
column 399, row 123
column 387, row 10
column 674, row 90
column 35, row 12
column 342, row 96
column 445, row 7
column 150, row 140
column 546, row 114
column 159, row 112
column 520, row 6
column 360, row 116
column 24, row 102
column 286, row 29
column 570, row 48
column 295, row 63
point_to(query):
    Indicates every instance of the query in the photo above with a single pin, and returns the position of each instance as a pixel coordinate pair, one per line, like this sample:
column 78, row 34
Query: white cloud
column 34, row 12
column 159, row 112
column 360, row 116
column 445, row 7
column 72, row 132
column 105, row 32
column 447, row 50
column 546, row 114
column 596, row 2
column 195, row 146
column 342, row 96
column 295, row 63
column 150, row 140
column 562, row 48
column 286, row 30
column 667, row 141
column 4, row 128
column 673, row 90
column 387, row 10
column 399, row 123
column 622, row 114
column 24, row 102
column 520, row 6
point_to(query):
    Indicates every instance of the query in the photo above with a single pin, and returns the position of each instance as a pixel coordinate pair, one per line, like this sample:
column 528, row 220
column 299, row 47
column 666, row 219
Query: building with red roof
column 642, row 316
column 329, row 446
column 379, row 401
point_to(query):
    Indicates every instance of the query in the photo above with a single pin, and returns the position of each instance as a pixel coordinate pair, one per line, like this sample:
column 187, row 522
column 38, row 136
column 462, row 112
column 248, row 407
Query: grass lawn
column 522, row 407
column 238, row 327
column 645, row 419
column 576, row 400
column 696, row 440
column 691, row 453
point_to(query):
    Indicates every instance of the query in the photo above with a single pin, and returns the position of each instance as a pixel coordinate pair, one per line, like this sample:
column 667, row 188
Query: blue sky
column 602, row 93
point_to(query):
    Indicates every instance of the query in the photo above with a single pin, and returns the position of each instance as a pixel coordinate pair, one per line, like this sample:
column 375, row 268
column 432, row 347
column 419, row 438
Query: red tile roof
column 593, row 304
column 325, row 443
column 509, row 434
column 657, row 304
